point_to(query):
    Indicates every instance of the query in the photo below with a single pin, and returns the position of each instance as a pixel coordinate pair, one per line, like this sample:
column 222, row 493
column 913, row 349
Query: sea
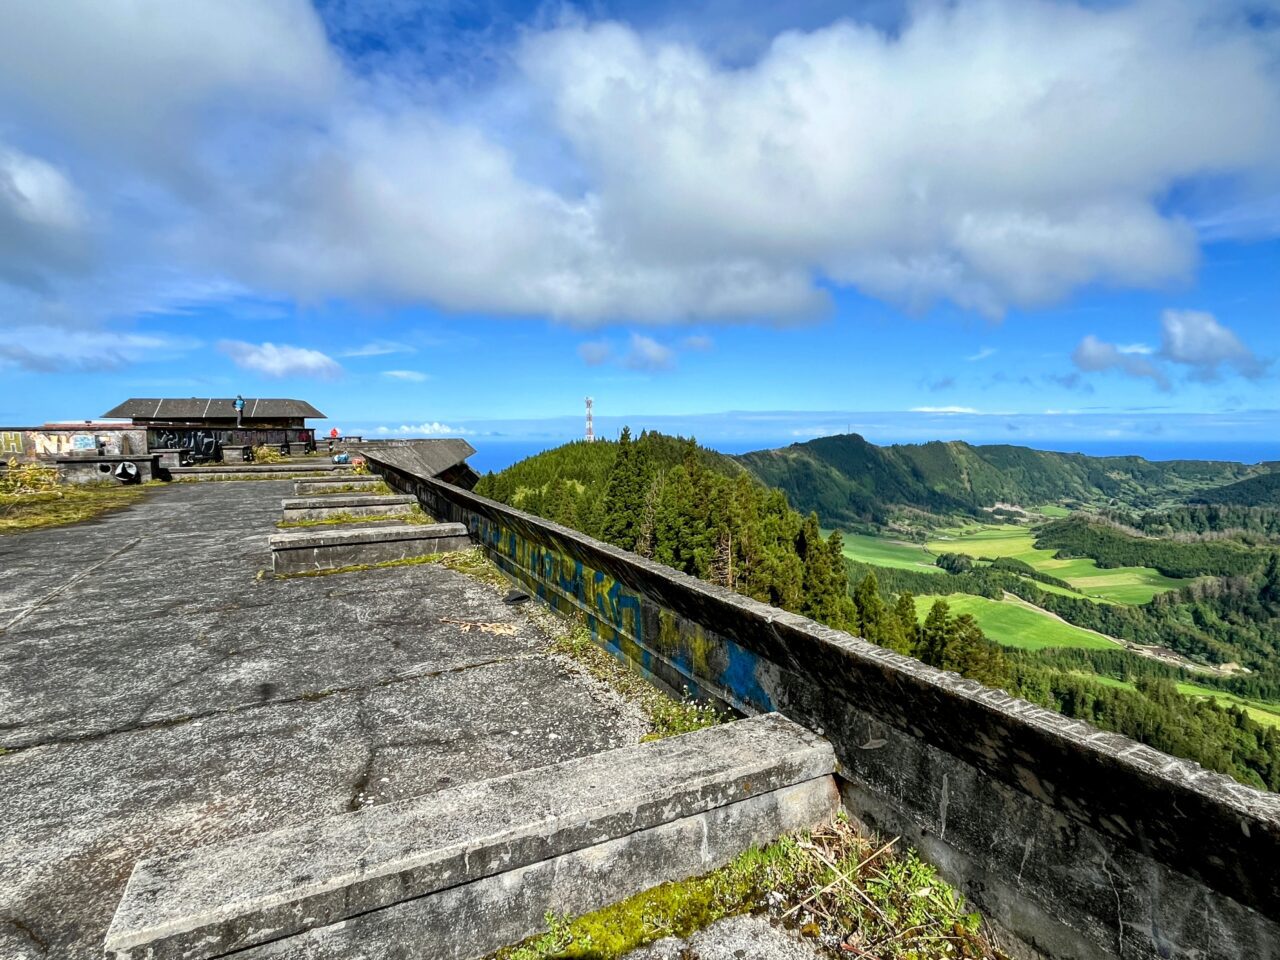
column 498, row 454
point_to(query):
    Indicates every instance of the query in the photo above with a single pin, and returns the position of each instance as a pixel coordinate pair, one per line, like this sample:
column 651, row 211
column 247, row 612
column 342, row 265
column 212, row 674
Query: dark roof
column 425, row 458
column 205, row 408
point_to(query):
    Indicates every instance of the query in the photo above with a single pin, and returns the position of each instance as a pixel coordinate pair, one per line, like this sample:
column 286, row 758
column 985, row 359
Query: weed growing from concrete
column 415, row 517
column 837, row 887
column 377, row 489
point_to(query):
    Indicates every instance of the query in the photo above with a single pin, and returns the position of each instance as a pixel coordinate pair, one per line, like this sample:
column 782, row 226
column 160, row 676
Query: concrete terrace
column 156, row 696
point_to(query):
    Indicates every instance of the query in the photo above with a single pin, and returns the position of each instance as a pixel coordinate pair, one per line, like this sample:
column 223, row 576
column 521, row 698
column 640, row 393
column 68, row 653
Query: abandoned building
column 206, row 425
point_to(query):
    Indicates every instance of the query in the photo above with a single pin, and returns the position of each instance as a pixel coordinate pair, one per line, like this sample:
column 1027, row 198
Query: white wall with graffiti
column 25, row 444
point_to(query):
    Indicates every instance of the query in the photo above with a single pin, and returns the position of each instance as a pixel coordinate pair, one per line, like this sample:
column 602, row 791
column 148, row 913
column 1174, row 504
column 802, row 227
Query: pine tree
column 935, row 635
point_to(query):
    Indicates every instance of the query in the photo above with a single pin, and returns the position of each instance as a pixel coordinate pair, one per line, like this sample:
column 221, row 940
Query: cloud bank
column 280, row 360
column 990, row 153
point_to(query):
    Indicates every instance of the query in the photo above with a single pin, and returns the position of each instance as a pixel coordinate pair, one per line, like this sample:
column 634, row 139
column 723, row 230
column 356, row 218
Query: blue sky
column 1024, row 222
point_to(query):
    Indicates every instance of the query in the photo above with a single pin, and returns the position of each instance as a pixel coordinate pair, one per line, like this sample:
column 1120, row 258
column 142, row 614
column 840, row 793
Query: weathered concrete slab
column 473, row 919
column 355, row 505
column 304, row 550
column 215, row 900
column 156, row 696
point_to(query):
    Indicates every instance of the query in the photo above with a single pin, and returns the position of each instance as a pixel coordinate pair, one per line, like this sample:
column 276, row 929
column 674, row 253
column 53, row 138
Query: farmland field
column 1264, row 712
column 1121, row 584
column 1016, row 624
column 887, row 553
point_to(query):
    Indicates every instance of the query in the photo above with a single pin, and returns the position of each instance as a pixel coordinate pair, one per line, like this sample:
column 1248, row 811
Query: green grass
column 1120, row 584
column 833, row 883
column 1015, row 624
column 416, row 518
column 1052, row 510
column 68, row 503
column 888, row 553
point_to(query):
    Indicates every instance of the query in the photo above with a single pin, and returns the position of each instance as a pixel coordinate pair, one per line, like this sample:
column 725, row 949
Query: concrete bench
column 313, row 549
column 355, row 505
column 489, row 858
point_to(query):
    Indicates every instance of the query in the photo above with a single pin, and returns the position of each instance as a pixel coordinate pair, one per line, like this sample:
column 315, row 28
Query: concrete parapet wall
column 1079, row 843
column 355, row 505
column 303, row 551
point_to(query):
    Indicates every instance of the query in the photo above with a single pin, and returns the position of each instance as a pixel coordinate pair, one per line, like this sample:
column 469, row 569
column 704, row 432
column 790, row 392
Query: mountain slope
column 846, row 479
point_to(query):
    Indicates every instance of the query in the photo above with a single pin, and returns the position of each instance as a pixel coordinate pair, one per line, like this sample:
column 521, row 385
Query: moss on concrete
column 843, row 890
column 415, row 517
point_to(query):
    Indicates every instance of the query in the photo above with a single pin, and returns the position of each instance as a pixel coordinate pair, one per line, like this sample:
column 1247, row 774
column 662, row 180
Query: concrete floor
column 156, row 696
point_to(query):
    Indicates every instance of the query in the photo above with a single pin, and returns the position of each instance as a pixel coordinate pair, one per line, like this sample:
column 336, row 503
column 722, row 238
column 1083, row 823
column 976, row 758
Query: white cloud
column 1189, row 338
column 1197, row 340
column 280, row 360
column 42, row 222
column 943, row 410
column 413, row 376
column 594, row 352
column 1093, row 355
column 378, row 348
column 982, row 354
column 33, row 349
column 645, row 353
column 698, row 342
column 994, row 154
column 427, row 429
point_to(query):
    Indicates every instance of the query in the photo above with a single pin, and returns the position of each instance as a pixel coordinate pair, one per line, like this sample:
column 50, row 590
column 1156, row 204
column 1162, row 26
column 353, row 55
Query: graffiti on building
column 11, row 443
column 203, row 443
column 82, row 441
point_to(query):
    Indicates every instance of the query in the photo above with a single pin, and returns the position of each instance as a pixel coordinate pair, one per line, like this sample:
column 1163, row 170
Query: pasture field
column 1121, row 584
column 887, row 553
column 1016, row 624
column 1052, row 510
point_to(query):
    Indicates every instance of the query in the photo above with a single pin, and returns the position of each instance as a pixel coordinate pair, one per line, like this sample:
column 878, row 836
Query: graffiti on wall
column 11, row 443
column 616, row 617
column 203, row 443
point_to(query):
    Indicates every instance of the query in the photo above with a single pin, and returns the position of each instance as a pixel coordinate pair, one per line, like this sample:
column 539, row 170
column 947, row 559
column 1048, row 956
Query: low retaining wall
column 308, row 550
column 1078, row 843
column 109, row 469
column 337, row 505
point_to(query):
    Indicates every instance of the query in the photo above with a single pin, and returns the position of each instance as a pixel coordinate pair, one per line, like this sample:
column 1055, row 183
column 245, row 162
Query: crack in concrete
column 68, row 585
column 309, row 696
column 28, row 932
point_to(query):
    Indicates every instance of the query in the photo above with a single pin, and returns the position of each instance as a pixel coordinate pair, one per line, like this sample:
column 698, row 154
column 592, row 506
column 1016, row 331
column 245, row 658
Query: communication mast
column 591, row 430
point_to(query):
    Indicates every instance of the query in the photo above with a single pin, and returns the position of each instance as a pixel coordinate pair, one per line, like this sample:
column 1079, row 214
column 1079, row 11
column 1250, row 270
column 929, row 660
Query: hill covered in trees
column 849, row 480
column 1259, row 491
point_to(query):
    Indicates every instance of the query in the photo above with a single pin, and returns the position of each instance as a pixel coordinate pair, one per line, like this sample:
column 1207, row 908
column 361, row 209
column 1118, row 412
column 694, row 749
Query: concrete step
column 338, row 504
column 318, row 549
column 310, row 486
column 464, row 871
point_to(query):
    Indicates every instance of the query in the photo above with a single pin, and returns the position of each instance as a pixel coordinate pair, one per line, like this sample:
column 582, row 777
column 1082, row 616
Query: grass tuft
column 836, row 886
column 64, row 504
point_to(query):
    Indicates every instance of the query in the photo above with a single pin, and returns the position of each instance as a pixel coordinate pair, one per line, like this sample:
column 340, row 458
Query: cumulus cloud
column 1197, row 340
column 1189, row 338
column 280, row 360
column 595, row 352
column 943, row 410
column 1093, row 356
column 645, row 353
column 412, row 376
column 431, row 428
column 995, row 154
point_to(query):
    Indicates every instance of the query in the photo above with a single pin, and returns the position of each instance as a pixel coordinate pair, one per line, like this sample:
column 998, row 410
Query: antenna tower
column 591, row 430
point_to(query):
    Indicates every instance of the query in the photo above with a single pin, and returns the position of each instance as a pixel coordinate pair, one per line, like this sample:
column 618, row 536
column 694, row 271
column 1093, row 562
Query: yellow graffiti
column 47, row 444
column 10, row 442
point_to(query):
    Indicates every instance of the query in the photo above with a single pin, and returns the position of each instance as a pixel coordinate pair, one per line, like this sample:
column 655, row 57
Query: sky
column 1030, row 222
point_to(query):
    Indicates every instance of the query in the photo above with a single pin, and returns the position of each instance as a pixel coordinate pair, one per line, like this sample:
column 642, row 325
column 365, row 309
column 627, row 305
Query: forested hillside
column 1259, row 491
column 848, row 480
column 699, row 512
